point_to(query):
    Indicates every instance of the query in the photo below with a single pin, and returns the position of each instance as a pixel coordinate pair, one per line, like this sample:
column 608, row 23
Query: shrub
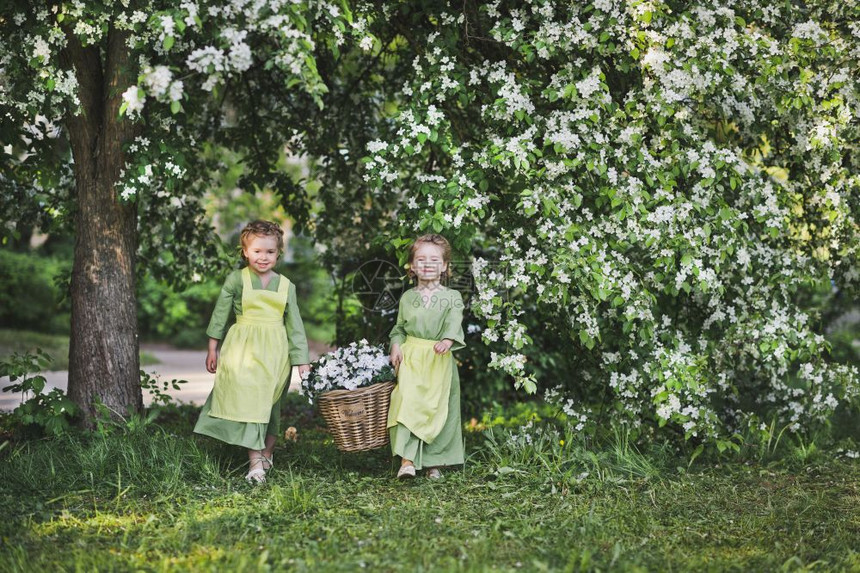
column 31, row 297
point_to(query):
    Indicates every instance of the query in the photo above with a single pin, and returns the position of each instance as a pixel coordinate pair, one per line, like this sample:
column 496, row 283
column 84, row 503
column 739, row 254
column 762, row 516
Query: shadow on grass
column 160, row 498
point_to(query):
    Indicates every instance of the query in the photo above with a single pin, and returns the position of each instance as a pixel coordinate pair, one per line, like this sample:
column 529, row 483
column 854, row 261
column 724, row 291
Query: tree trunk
column 104, row 359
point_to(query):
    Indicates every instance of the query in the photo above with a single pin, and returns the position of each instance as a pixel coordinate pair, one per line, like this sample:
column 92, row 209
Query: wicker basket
column 357, row 419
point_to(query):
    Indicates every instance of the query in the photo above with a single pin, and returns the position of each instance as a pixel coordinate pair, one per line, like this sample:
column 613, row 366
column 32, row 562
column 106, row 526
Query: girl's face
column 262, row 253
column 428, row 263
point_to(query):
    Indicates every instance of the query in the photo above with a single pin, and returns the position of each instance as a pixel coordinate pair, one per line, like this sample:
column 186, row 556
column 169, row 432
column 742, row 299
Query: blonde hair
column 437, row 240
column 261, row 228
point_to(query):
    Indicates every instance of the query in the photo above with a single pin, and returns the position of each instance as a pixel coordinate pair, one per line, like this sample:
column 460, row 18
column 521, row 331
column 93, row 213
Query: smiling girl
column 424, row 416
column 253, row 366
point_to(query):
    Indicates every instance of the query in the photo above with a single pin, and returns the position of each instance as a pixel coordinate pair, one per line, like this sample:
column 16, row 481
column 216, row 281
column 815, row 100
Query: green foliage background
column 29, row 296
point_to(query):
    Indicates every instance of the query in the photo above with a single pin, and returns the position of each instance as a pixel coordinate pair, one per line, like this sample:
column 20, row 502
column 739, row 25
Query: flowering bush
column 659, row 181
column 349, row 367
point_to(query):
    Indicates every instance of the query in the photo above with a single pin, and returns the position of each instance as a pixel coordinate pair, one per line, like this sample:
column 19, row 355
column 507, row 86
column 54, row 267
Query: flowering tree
column 111, row 113
column 655, row 179
column 659, row 179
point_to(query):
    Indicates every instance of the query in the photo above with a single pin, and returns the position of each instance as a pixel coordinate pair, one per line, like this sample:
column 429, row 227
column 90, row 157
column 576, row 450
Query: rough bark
column 104, row 360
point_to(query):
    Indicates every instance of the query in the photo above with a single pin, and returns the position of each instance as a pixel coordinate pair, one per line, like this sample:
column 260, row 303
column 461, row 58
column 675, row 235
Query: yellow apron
column 255, row 363
column 420, row 399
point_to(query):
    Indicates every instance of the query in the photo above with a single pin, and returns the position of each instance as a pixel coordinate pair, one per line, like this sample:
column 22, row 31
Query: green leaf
column 696, row 453
column 175, row 106
column 38, row 384
column 168, row 42
column 585, row 339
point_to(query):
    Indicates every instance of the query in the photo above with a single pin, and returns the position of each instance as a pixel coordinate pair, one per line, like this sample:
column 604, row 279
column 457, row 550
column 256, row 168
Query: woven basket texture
column 357, row 418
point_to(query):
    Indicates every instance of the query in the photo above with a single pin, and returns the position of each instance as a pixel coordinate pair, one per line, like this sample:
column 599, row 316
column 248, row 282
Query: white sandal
column 257, row 476
column 407, row 471
column 434, row 473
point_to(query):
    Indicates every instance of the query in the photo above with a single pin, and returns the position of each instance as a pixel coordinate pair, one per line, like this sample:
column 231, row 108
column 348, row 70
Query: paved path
column 173, row 364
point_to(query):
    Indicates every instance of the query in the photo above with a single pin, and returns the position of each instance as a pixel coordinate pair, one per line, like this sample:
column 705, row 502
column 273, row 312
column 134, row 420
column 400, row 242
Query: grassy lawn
column 156, row 498
column 56, row 345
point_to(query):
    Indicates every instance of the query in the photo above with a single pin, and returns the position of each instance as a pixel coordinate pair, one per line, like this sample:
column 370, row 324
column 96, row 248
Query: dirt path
column 172, row 364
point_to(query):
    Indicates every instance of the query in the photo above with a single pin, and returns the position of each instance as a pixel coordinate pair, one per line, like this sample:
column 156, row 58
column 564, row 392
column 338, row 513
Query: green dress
column 424, row 420
column 256, row 358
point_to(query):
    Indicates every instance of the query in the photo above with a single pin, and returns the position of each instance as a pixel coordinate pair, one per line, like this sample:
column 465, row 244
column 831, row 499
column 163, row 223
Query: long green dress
column 236, row 419
column 427, row 405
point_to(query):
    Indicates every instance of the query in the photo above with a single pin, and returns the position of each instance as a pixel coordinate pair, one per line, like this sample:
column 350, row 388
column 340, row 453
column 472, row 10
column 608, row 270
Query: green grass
column 56, row 345
column 157, row 498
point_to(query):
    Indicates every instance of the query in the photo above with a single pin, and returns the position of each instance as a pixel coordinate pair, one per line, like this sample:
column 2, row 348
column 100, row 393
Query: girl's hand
column 443, row 346
column 211, row 361
column 396, row 357
column 304, row 369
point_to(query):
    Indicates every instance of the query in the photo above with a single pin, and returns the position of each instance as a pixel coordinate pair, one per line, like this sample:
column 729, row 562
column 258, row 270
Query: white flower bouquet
column 357, row 365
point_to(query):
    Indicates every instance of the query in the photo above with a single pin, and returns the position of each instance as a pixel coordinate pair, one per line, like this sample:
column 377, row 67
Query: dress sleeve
column 231, row 290
column 296, row 330
column 398, row 333
column 452, row 328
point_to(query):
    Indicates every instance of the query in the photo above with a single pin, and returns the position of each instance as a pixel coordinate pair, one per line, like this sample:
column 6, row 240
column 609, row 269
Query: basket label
column 351, row 411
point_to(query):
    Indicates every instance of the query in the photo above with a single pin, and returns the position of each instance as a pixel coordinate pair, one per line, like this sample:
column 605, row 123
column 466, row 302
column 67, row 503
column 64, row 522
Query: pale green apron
column 254, row 366
column 420, row 399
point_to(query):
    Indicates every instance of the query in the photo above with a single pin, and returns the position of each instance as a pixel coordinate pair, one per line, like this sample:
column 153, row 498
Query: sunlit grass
column 163, row 500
